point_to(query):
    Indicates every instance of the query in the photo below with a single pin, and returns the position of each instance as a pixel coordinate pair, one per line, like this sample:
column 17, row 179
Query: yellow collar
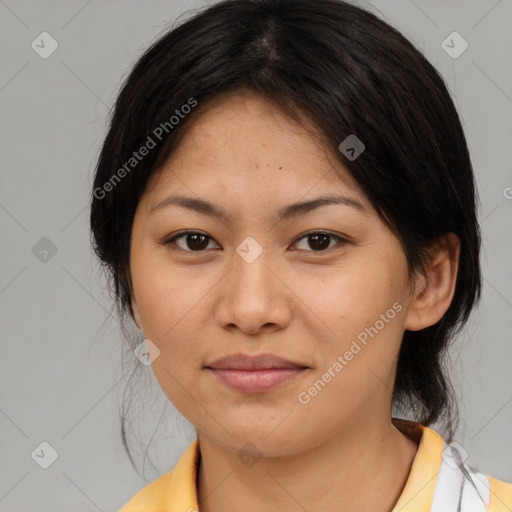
column 176, row 490
column 418, row 492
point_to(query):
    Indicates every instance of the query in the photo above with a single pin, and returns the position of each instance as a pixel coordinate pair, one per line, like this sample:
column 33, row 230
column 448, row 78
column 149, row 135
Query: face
column 325, row 288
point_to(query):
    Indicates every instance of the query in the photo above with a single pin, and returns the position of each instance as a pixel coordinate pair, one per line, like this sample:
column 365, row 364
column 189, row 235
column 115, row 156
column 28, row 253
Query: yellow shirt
column 435, row 483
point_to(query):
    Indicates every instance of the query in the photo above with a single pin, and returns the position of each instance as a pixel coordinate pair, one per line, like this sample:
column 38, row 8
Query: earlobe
column 434, row 292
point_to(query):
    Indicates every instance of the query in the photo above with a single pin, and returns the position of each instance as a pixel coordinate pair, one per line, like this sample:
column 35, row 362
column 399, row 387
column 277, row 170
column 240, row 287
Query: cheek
column 166, row 294
column 176, row 316
column 354, row 295
column 364, row 306
column 173, row 317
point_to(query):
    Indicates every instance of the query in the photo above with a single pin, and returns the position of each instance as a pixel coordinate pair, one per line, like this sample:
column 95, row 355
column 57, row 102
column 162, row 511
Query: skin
column 301, row 304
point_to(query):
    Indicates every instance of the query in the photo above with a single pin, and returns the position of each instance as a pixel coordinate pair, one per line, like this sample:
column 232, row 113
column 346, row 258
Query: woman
column 286, row 207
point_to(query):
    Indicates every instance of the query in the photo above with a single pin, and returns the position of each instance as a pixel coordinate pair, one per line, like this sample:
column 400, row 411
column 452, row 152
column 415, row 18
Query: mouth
column 255, row 374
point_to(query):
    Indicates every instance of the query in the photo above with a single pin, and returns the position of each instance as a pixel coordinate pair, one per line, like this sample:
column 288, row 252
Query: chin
column 262, row 441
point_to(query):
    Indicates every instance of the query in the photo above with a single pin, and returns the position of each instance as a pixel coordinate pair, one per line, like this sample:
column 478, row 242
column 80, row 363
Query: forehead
column 246, row 145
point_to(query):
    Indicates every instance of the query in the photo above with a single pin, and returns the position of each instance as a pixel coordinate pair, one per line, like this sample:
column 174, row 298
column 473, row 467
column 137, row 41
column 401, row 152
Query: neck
column 364, row 469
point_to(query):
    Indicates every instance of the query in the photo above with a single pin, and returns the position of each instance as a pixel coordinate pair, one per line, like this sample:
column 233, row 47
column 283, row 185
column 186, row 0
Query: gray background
column 61, row 378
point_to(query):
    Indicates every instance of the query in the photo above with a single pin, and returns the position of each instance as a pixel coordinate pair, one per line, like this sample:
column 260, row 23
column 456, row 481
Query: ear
column 135, row 313
column 434, row 291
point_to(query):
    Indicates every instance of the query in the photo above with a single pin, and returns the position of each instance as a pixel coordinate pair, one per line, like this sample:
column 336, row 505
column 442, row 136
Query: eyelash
column 171, row 241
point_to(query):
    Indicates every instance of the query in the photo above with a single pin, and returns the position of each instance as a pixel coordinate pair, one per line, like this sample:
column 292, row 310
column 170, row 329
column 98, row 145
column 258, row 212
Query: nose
column 254, row 296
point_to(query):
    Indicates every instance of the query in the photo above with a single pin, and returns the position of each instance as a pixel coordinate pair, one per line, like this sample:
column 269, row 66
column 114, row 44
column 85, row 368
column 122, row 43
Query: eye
column 319, row 241
column 194, row 240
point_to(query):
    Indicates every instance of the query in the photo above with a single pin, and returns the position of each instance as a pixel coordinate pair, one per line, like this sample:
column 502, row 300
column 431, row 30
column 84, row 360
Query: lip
column 253, row 362
column 255, row 374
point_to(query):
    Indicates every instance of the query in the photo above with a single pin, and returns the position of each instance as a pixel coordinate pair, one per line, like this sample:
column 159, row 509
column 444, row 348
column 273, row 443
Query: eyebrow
column 285, row 213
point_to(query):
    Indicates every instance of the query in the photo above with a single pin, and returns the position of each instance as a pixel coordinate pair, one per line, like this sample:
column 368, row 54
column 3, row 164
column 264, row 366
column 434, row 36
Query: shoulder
column 463, row 487
column 500, row 499
column 175, row 490
column 442, row 480
column 150, row 498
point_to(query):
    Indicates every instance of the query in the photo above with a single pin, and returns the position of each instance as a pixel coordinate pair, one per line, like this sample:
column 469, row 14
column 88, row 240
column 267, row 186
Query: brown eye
column 194, row 241
column 320, row 241
column 190, row 241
